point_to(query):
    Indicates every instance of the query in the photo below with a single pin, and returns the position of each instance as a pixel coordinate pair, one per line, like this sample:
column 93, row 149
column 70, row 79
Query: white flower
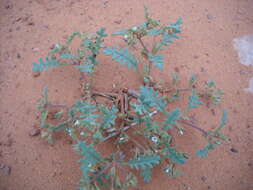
column 121, row 138
column 125, row 36
column 77, row 122
column 181, row 132
column 134, row 28
column 154, row 139
column 89, row 165
column 82, row 133
column 167, row 170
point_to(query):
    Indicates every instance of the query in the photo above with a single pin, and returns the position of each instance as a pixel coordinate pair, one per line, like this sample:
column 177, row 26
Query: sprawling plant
column 128, row 119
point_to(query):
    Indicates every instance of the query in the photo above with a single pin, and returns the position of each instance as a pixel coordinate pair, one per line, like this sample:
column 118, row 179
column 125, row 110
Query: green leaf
column 59, row 114
column 146, row 174
column 109, row 116
column 224, row 119
column 192, row 80
column 86, row 68
column 157, row 60
column 87, row 112
column 176, row 26
column 175, row 78
column 120, row 33
column 150, row 98
column 44, row 100
column 194, row 101
column 175, row 157
column 140, row 109
column 202, row 153
column 144, row 162
column 211, row 84
column 67, row 56
column 155, row 32
column 123, row 56
column 45, row 65
column 101, row 32
column 90, row 157
column 171, row 118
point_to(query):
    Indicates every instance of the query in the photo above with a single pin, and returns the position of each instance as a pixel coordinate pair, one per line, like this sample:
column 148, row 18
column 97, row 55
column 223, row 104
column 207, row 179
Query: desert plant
column 129, row 116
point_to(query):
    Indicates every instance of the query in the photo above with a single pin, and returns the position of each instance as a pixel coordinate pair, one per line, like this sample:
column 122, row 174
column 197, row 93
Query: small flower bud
column 154, row 139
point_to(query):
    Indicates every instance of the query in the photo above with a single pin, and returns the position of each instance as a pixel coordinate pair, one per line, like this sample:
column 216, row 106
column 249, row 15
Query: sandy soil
column 29, row 28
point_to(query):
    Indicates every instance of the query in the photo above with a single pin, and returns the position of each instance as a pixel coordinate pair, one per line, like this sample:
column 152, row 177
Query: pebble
column 210, row 17
column 36, row 74
column 5, row 169
column 34, row 132
column 18, row 55
column 35, row 49
column 234, row 150
column 203, row 178
column 117, row 21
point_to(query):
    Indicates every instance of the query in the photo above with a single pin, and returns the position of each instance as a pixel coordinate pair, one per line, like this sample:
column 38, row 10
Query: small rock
column 210, row 17
column 18, row 55
column 117, row 21
column 30, row 24
column 18, row 28
column 35, row 49
column 234, row 150
column 5, row 169
column 34, row 132
column 195, row 57
column 8, row 6
column 36, row 74
column 213, row 111
column 203, row 178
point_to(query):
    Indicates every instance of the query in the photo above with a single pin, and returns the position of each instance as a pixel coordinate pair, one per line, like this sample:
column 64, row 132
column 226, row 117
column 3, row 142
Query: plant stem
column 194, row 126
column 147, row 52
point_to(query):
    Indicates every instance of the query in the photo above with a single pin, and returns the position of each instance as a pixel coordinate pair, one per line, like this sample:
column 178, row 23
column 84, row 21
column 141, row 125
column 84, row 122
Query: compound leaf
column 144, row 162
column 146, row 174
column 109, row 116
column 194, row 101
column 171, row 118
column 87, row 111
column 90, row 157
column 45, row 65
column 157, row 60
column 175, row 157
column 123, row 56
column 150, row 98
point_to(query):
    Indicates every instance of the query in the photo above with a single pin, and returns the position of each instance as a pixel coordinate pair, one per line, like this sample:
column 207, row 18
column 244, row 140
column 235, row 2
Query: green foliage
column 90, row 158
column 146, row 174
column 174, row 156
column 150, row 98
column 171, row 119
column 91, row 121
column 45, row 65
column 87, row 112
column 109, row 116
column 157, row 60
column 123, row 56
column 144, row 162
column 194, row 100
column 215, row 137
